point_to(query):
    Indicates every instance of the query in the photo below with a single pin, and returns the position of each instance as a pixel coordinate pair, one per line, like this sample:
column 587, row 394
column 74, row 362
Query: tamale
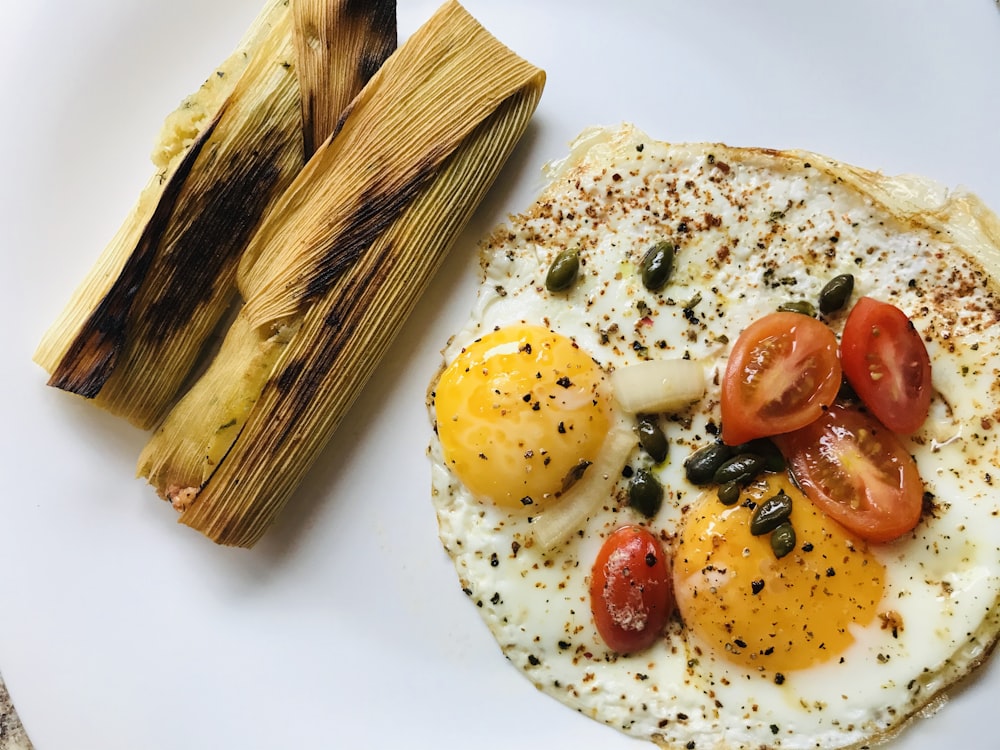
column 138, row 324
column 335, row 269
column 339, row 46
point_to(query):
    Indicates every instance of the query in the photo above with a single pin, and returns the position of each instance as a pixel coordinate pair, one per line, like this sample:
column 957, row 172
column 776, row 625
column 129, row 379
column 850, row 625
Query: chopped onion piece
column 658, row 385
column 570, row 512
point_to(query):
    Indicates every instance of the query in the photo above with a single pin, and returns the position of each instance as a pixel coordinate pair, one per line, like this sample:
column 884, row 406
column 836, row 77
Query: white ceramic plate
column 346, row 626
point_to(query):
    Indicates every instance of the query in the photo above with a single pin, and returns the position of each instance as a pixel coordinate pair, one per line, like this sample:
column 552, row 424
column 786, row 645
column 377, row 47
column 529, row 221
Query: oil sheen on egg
column 837, row 643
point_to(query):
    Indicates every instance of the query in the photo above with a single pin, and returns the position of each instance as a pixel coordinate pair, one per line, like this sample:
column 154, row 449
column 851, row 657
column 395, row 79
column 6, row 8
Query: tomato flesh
column 631, row 595
column 858, row 472
column 887, row 364
column 781, row 375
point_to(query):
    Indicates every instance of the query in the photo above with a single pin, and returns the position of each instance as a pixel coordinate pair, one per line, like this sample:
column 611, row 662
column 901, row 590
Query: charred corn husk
column 339, row 45
column 135, row 328
column 334, row 270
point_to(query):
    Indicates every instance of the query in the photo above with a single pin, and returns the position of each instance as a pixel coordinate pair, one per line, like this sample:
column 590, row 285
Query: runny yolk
column 759, row 611
column 520, row 413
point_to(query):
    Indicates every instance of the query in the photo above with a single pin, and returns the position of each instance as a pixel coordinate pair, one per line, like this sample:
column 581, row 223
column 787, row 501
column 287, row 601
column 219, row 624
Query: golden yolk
column 764, row 612
column 520, row 413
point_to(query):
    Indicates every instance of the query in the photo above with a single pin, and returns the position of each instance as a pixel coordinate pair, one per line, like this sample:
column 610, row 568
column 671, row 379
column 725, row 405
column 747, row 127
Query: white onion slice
column 659, row 385
column 570, row 512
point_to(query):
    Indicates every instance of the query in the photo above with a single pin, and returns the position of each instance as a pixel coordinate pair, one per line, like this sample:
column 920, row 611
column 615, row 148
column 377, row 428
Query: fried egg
column 834, row 645
column 519, row 411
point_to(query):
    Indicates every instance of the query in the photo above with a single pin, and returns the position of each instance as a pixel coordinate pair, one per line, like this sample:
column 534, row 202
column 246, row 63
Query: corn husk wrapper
column 339, row 46
column 334, row 271
column 135, row 328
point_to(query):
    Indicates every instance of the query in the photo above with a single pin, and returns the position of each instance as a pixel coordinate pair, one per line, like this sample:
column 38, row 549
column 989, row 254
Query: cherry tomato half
column 782, row 373
column 631, row 595
column 887, row 364
column 858, row 472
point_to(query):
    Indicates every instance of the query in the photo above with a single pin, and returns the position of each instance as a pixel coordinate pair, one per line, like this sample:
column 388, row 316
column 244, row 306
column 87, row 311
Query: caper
column 835, row 294
column 729, row 493
column 562, row 273
column 766, row 449
column 651, row 438
column 700, row 466
column 741, row 468
column 657, row 265
column 770, row 514
column 783, row 539
column 645, row 493
column 803, row 307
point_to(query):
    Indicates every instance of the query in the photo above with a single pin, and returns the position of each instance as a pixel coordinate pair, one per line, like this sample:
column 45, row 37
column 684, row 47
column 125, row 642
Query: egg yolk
column 760, row 611
column 520, row 414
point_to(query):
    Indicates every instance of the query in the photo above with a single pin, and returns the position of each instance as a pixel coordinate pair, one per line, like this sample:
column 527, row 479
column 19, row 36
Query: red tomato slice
column 631, row 595
column 887, row 364
column 782, row 373
column 858, row 472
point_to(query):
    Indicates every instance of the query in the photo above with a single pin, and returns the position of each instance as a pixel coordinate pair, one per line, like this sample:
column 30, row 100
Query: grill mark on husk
column 373, row 215
column 94, row 352
column 299, row 380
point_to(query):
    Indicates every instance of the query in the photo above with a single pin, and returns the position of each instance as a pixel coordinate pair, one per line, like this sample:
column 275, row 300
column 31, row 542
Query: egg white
column 754, row 228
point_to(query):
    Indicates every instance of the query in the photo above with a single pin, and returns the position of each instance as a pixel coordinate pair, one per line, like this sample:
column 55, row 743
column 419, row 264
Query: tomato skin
column 858, row 472
column 886, row 362
column 782, row 373
column 631, row 594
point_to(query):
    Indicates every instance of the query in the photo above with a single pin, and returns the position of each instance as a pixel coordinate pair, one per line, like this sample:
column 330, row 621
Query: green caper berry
column 562, row 273
column 729, row 493
column 645, row 493
column 700, row 466
column 766, row 449
column 657, row 265
column 770, row 514
column 741, row 468
column 803, row 307
column 835, row 294
column 651, row 438
column 783, row 539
